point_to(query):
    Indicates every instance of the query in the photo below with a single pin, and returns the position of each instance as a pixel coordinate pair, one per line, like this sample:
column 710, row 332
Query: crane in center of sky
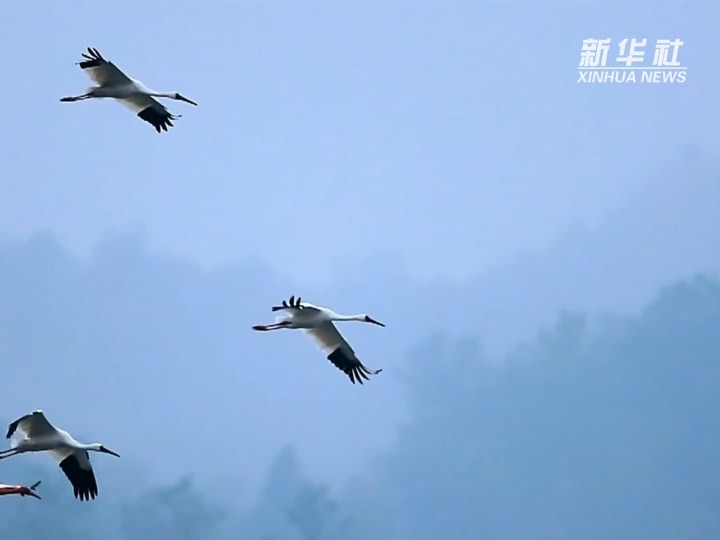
column 318, row 323
column 71, row 455
column 113, row 83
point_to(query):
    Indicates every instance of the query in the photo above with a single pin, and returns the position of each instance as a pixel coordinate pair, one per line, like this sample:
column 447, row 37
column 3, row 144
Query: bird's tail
column 36, row 484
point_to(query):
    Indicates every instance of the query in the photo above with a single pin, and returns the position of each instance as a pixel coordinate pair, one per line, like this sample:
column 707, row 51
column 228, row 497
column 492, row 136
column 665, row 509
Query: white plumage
column 113, row 83
column 318, row 323
column 72, row 457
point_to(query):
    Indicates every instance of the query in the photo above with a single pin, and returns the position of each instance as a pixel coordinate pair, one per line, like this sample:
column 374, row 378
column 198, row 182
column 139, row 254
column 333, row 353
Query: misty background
column 545, row 255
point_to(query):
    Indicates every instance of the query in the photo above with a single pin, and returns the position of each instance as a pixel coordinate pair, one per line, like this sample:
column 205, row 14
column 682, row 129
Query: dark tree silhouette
column 583, row 435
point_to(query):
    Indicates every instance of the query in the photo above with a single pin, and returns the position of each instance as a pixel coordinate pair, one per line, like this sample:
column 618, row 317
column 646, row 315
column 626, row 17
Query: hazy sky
column 450, row 135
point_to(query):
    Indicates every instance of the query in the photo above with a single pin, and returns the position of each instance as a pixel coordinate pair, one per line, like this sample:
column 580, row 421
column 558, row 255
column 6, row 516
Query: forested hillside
column 600, row 427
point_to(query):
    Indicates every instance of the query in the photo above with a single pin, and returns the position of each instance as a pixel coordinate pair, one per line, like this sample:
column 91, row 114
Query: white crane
column 72, row 456
column 318, row 322
column 113, row 83
column 6, row 489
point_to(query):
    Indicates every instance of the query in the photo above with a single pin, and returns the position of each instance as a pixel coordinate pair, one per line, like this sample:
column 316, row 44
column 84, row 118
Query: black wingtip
column 159, row 118
column 11, row 429
column 292, row 303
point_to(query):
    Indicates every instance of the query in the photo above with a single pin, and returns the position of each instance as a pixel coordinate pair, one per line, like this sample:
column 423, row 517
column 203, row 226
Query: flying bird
column 113, row 83
column 20, row 490
column 318, row 322
column 72, row 456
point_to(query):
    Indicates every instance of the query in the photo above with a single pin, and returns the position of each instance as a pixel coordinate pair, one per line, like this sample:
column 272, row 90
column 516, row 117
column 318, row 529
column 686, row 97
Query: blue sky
column 430, row 140
column 449, row 135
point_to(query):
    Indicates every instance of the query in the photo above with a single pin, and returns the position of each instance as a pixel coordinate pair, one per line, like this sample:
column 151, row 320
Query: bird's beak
column 186, row 100
column 107, row 451
column 371, row 320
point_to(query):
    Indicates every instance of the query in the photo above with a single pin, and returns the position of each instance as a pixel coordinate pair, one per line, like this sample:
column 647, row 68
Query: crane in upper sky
column 113, row 83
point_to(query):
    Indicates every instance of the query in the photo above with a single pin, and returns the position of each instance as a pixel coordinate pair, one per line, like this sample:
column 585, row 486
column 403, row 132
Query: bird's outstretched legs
column 266, row 327
column 30, row 494
column 76, row 98
column 9, row 452
column 31, row 491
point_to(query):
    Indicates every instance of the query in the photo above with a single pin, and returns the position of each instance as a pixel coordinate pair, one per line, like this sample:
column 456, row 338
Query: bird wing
column 78, row 469
column 62, row 452
column 151, row 110
column 339, row 352
column 101, row 71
column 32, row 425
column 293, row 306
column 328, row 337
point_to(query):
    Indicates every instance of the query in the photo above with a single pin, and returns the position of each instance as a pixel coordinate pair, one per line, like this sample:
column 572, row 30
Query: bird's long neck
column 155, row 93
column 339, row 317
column 90, row 447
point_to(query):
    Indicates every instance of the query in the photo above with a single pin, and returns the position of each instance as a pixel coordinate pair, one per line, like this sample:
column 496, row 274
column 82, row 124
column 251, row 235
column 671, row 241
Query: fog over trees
column 596, row 426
